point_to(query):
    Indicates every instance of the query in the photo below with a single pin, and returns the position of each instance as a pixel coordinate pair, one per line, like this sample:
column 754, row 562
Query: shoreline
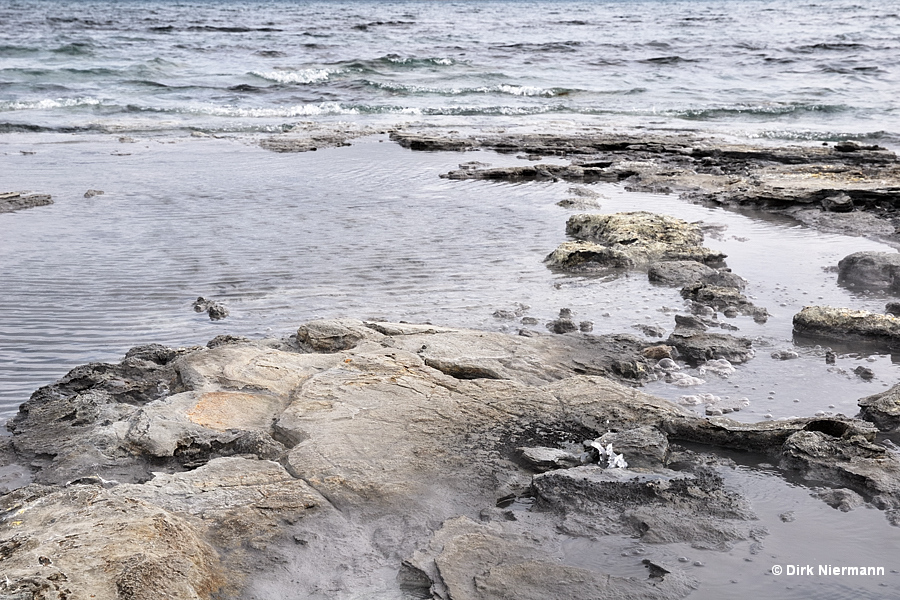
column 419, row 446
column 255, row 452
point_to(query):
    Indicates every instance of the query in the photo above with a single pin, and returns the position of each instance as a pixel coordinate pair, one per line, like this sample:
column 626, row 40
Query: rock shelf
column 353, row 448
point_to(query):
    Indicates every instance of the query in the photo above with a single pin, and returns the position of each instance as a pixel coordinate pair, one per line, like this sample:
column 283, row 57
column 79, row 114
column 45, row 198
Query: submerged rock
column 729, row 300
column 215, row 310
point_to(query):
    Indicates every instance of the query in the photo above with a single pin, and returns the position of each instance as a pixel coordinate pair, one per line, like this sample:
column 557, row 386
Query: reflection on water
column 370, row 232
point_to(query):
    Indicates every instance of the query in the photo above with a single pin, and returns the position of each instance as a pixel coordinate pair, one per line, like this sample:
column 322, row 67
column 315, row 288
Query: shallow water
column 368, row 232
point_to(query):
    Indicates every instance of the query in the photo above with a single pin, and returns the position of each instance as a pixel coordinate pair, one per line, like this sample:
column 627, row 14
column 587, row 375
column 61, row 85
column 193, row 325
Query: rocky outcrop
column 12, row 201
column 382, row 448
column 729, row 300
column 845, row 323
column 871, row 270
column 215, row 310
column 696, row 346
column 847, row 187
column 882, row 409
column 630, row 240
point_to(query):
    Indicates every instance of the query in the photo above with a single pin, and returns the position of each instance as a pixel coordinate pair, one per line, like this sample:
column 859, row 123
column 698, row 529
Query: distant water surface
column 824, row 69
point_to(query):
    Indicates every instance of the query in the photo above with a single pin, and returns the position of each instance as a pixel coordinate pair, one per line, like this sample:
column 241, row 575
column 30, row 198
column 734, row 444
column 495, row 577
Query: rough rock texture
column 12, row 201
column 630, row 240
column 882, row 409
column 817, row 184
column 845, row 323
column 871, row 270
column 679, row 272
column 309, row 136
column 698, row 346
column 729, row 300
column 381, row 462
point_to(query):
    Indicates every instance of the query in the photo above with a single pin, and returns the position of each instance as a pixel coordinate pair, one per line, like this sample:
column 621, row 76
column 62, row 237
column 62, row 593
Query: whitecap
column 304, row 76
column 297, row 110
column 48, row 104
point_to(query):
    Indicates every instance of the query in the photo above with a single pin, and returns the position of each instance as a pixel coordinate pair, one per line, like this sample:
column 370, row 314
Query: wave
column 305, row 76
column 365, row 26
column 297, row 110
column 667, row 60
column 48, row 104
column 570, row 46
column 761, row 110
column 9, row 50
column 75, row 49
column 407, row 61
column 512, row 90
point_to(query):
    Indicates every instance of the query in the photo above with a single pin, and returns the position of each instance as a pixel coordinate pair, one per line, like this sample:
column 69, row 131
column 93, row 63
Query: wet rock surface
column 309, row 137
column 845, row 323
column 215, row 310
column 13, row 201
column 629, row 240
column 871, row 270
column 882, row 409
column 846, row 187
column 321, row 462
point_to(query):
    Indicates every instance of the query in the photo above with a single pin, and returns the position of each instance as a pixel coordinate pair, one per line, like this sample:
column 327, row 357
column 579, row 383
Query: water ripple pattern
column 823, row 70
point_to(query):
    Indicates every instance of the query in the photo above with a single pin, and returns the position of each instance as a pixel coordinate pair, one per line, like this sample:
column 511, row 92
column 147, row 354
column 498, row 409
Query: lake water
column 371, row 231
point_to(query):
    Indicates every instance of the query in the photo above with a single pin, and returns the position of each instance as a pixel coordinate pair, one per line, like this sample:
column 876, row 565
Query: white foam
column 297, row 110
column 48, row 104
column 304, row 76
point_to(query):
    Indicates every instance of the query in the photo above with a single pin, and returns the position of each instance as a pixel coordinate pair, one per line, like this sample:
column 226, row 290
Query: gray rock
column 840, row 203
column 871, row 270
column 466, row 560
column 562, row 326
column 251, row 466
column 92, row 193
column 697, row 347
column 729, row 300
column 678, row 272
column 847, row 460
column 333, row 335
column 690, row 323
column 847, row 324
column 12, row 201
column 545, row 459
column 215, row 310
column 643, row 237
column 882, row 409
column 842, row 499
column 654, row 331
column 864, row 372
column 642, row 447
column 785, row 355
column 892, row 308
column 651, row 503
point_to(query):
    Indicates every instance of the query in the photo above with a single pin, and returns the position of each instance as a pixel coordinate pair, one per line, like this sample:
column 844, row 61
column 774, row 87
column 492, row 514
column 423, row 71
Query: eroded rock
column 12, row 201
column 871, row 270
column 844, row 323
column 882, row 409
column 377, row 448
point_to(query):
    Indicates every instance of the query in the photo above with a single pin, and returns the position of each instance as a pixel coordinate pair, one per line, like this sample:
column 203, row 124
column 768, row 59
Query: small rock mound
column 845, row 323
column 630, row 240
column 871, row 270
